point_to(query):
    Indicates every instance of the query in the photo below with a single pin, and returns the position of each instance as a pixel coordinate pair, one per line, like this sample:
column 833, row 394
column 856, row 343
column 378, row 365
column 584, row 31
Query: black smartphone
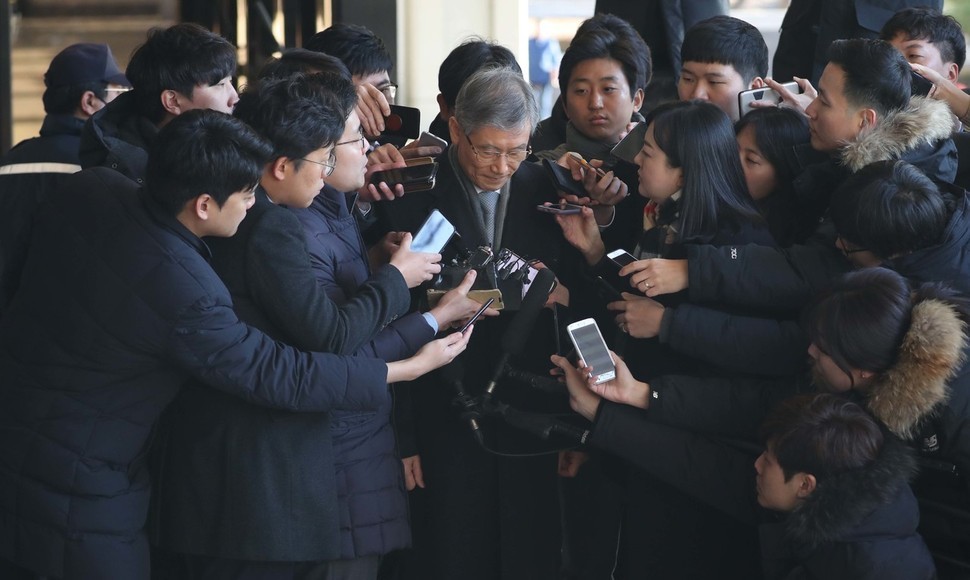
column 478, row 314
column 433, row 235
column 562, row 178
column 921, row 85
column 402, row 122
column 629, row 146
column 413, row 177
column 560, row 208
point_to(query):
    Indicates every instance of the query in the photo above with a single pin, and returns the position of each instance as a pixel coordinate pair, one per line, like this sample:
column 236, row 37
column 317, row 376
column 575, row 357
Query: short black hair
column 360, row 49
column 297, row 114
column 941, row 30
column 65, row 99
column 611, row 37
column 727, row 40
column 177, row 58
column 877, row 75
column 301, row 60
column 891, row 208
column 467, row 58
column 204, row 151
column 823, row 435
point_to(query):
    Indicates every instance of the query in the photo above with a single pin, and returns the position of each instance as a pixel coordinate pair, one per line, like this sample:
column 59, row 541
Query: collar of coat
column 931, row 354
column 840, row 504
column 923, row 122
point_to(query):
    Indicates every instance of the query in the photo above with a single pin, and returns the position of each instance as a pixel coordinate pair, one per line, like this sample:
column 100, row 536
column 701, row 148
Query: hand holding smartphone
column 433, row 235
column 591, row 348
column 414, row 177
column 745, row 98
column 621, row 257
column 561, row 208
column 477, row 315
column 585, row 164
column 563, row 180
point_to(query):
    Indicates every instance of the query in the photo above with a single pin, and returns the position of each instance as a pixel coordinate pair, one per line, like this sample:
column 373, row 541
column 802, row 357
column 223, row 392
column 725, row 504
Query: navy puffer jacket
column 118, row 308
column 370, row 486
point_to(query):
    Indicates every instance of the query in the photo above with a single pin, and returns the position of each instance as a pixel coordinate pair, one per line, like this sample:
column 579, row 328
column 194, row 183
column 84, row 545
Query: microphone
column 453, row 373
column 517, row 333
column 542, row 426
column 538, row 382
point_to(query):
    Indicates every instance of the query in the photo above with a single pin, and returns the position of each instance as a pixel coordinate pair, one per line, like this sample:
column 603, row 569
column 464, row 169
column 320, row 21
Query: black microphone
column 453, row 373
column 538, row 382
column 542, row 426
column 518, row 331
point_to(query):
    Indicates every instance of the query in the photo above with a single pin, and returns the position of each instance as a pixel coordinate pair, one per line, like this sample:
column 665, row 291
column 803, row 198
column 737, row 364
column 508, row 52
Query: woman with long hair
column 767, row 140
column 690, row 172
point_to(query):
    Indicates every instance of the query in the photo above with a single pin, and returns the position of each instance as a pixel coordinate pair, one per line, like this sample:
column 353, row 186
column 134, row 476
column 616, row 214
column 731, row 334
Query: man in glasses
column 80, row 81
column 282, row 464
column 370, row 64
column 118, row 309
column 482, row 516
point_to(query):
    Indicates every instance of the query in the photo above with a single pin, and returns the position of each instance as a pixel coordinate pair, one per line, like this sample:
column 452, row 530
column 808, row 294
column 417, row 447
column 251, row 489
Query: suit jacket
column 237, row 481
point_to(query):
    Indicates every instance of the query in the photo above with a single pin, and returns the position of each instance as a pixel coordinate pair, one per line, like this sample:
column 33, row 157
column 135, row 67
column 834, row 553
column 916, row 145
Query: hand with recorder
column 456, row 308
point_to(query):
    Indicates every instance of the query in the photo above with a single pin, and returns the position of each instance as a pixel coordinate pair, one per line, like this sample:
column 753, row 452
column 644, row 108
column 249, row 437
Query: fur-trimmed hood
column 859, row 504
column 913, row 134
column 931, row 354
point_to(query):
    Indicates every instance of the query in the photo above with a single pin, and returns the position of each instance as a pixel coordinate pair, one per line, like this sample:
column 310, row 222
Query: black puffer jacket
column 858, row 525
column 778, row 282
column 923, row 398
column 755, row 276
column 118, row 308
column 118, row 137
column 27, row 173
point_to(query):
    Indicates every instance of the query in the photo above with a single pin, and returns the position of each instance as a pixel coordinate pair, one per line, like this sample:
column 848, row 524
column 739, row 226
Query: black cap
column 84, row 63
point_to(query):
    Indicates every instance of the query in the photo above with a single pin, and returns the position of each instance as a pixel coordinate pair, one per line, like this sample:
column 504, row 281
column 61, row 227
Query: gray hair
column 496, row 97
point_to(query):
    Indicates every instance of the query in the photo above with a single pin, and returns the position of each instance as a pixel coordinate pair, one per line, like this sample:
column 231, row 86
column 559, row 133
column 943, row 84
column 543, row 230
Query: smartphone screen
column 621, row 257
column 591, row 347
column 433, row 235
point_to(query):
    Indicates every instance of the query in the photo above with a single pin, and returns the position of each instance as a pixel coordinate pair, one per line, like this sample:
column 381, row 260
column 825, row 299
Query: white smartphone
column 591, row 347
column 431, row 140
column 745, row 98
column 621, row 257
column 434, row 234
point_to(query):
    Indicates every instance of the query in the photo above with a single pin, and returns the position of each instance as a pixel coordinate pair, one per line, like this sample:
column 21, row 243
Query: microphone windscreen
column 518, row 331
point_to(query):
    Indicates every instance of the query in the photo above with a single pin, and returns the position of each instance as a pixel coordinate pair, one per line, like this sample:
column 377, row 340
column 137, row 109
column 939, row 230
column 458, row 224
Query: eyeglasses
column 117, row 89
column 846, row 251
column 486, row 156
column 389, row 90
column 330, row 165
column 361, row 141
